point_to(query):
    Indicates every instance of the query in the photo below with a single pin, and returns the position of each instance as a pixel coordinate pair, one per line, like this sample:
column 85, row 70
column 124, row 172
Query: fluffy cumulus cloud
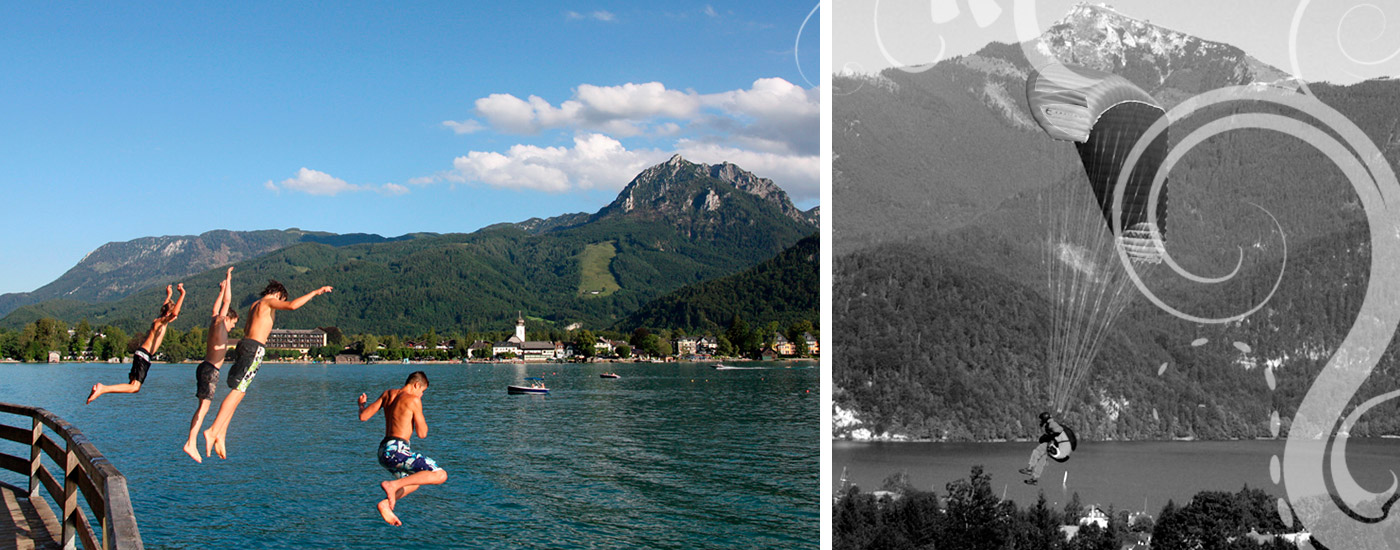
column 595, row 161
column 316, row 182
column 772, row 112
column 770, row 128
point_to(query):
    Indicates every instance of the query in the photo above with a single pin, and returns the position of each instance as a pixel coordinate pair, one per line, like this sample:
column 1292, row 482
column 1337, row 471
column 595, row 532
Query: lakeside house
column 298, row 339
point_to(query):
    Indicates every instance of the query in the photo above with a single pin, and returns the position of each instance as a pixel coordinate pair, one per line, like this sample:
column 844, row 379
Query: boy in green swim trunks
column 141, row 360
column 206, row 375
column 248, row 356
column 403, row 414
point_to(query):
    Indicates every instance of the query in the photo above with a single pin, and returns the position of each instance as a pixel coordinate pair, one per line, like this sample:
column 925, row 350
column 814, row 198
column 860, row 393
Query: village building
column 300, row 339
column 685, row 345
column 783, row 346
column 529, row 350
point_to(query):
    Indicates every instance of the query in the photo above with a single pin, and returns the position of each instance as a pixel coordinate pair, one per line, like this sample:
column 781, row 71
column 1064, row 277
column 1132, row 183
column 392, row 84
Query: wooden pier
column 85, row 474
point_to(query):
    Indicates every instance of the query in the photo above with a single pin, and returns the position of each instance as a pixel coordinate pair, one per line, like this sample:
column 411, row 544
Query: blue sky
column 1341, row 42
column 125, row 122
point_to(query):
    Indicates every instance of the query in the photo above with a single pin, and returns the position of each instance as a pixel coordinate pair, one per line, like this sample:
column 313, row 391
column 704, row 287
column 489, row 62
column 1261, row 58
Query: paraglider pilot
column 1055, row 443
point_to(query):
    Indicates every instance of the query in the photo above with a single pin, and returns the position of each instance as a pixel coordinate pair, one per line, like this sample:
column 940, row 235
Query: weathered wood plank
column 27, row 524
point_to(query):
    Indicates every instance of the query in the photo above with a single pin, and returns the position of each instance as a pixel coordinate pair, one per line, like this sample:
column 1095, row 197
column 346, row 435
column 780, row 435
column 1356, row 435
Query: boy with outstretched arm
column 141, row 360
column 206, row 375
column 249, row 354
column 403, row 414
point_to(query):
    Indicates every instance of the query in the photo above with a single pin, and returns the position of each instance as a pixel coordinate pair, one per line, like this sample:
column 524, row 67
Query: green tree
column 975, row 517
column 624, row 351
column 370, row 345
column 585, row 344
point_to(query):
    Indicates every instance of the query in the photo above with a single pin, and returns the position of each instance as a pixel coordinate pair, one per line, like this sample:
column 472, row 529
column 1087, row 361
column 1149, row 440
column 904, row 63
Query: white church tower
column 519, row 326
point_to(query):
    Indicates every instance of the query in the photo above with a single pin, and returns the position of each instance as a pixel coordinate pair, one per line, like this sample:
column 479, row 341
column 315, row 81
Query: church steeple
column 520, row 326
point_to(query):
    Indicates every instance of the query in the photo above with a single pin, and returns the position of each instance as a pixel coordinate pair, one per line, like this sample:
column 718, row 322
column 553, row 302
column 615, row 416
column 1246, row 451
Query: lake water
column 1123, row 474
column 668, row 456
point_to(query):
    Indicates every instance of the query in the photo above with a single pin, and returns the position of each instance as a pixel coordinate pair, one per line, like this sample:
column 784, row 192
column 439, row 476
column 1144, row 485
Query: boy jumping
column 248, row 356
column 403, row 414
column 141, row 360
column 206, row 375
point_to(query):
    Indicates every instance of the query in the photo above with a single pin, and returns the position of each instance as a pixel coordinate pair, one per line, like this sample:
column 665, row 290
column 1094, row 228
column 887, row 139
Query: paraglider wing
column 1105, row 115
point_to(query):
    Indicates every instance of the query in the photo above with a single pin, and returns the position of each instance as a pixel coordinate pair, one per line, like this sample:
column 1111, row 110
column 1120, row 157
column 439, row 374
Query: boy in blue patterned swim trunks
column 403, row 415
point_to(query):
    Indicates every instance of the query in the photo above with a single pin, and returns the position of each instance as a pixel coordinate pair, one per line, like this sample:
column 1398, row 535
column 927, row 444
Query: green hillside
column 482, row 279
column 785, row 289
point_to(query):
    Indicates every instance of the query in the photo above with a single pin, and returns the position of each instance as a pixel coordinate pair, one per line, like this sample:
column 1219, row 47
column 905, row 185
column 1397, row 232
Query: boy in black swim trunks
column 248, row 357
column 206, row 375
column 403, row 414
column 141, row 360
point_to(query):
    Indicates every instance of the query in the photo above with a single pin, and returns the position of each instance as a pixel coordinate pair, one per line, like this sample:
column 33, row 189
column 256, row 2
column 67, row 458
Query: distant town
column 48, row 340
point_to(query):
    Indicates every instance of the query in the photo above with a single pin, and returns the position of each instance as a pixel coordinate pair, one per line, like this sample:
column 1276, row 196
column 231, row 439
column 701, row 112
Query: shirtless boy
column 403, row 414
column 248, row 356
column 141, row 360
column 206, row 375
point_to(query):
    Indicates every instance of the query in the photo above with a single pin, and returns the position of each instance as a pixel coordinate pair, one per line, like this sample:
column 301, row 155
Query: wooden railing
column 86, row 474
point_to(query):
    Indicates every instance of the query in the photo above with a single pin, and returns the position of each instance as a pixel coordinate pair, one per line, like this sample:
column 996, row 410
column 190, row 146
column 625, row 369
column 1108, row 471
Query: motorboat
column 533, row 385
column 609, row 375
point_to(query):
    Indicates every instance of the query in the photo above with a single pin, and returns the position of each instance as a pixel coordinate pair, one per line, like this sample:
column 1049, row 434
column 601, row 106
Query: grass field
column 596, row 279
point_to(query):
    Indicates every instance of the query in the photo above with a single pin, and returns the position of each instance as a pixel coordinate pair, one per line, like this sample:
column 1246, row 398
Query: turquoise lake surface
column 668, row 456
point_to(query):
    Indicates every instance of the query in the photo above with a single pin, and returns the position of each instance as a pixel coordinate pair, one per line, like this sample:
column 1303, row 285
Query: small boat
column 609, row 375
column 536, row 386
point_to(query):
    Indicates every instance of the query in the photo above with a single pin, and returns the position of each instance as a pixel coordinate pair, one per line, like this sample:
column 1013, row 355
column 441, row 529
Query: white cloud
column 464, row 126
column 773, row 110
column 600, row 15
column 595, row 161
column 710, row 11
column 316, row 182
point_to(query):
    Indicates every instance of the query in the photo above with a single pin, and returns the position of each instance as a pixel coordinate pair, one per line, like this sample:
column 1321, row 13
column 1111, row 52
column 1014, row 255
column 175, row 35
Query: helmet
column 1044, row 417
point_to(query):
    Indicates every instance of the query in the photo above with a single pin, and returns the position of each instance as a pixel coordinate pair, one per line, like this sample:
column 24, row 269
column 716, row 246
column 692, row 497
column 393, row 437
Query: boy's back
column 401, row 410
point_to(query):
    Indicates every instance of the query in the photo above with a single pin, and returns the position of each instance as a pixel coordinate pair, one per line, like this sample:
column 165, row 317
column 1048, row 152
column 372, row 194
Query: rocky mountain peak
column 1156, row 58
column 680, row 188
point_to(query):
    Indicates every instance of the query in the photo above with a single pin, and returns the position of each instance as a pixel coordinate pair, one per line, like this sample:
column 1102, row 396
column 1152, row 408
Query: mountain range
column 944, row 187
column 674, row 224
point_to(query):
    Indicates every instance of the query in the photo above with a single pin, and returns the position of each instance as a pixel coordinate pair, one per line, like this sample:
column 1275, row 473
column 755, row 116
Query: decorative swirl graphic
column 1314, row 465
column 1293, row 39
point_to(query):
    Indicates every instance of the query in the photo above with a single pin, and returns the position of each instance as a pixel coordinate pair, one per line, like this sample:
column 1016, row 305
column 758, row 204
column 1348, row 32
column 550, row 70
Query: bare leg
column 403, row 486
column 214, row 436
column 195, row 423
column 99, row 389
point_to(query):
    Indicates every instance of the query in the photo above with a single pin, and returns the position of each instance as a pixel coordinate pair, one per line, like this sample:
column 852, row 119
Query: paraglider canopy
column 1105, row 115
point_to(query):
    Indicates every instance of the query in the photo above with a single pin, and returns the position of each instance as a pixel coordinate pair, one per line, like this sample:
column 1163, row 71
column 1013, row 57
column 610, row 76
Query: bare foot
column 193, row 451
column 96, row 392
column 208, row 441
column 386, row 511
column 219, row 447
column 389, row 489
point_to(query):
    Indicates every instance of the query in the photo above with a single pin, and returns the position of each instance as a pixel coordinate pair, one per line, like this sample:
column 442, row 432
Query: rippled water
column 668, row 456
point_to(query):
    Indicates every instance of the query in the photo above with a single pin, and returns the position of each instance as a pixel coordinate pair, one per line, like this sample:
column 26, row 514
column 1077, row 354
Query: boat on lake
column 533, row 385
column 609, row 375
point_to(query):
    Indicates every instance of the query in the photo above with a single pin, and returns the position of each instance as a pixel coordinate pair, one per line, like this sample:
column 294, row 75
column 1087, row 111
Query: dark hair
column 417, row 376
column 232, row 314
column 166, row 307
column 274, row 287
column 1044, row 417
